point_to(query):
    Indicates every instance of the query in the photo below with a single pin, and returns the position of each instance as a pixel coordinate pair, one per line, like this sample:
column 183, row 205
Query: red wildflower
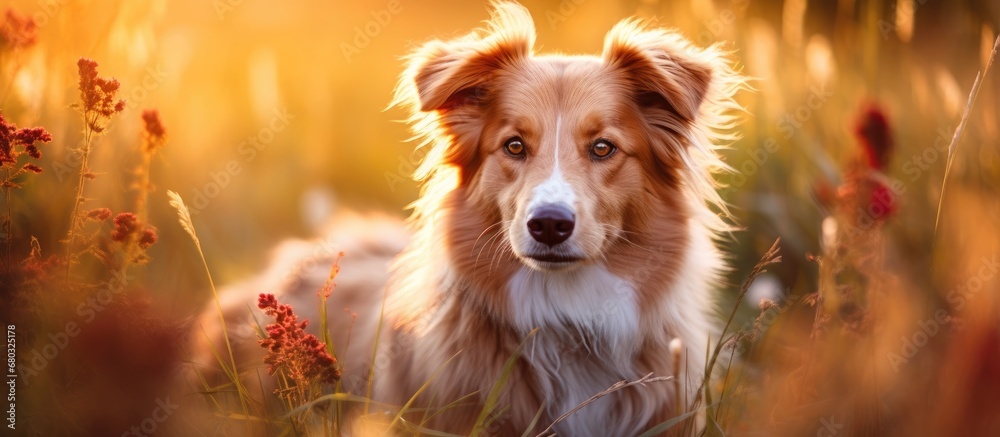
column 153, row 124
column 17, row 31
column 99, row 214
column 126, row 224
column 98, row 95
column 329, row 285
column 15, row 142
column 873, row 132
column 882, row 202
column 36, row 267
column 30, row 135
column 32, row 168
column 153, row 133
column 148, row 237
column 865, row 196
column 302, row 355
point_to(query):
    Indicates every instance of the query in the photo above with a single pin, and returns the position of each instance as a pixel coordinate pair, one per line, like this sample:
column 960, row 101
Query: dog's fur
column 638, row 270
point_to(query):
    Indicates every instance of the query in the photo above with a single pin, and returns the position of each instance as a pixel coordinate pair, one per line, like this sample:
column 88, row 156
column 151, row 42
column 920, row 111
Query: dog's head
column 568, row 155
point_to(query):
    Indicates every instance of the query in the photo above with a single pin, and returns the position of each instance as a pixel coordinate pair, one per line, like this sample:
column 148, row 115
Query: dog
column 566, row 234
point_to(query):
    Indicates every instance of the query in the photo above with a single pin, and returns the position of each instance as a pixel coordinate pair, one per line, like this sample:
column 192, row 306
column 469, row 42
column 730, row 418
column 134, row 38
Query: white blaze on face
column 555, row 189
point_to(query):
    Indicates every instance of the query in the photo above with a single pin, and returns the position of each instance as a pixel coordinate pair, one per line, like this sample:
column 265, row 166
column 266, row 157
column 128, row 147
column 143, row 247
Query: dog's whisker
column 503, row 248
column 488, row 243
column 481, row 234
column 496, row 246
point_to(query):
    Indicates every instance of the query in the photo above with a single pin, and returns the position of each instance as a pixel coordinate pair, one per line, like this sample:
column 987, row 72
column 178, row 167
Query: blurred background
column 276, row 116
column 295, row 95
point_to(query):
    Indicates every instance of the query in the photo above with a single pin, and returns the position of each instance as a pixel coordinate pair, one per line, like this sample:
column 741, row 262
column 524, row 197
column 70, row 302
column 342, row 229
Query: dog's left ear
column 664, row 69
column 447, row 83
column 444, row 75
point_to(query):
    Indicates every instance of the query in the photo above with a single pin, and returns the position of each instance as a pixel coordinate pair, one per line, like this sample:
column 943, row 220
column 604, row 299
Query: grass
column 493, row 398
column 960, row 130
column 184, row 218
column 648, row 378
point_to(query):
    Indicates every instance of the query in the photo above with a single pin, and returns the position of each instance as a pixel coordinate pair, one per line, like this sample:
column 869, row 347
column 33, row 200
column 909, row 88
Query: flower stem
column 8, row 221
column 74, row 217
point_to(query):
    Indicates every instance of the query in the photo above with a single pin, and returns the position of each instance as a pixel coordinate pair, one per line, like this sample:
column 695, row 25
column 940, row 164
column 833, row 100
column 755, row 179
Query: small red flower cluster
column 865, row 187
column 17, row 31
column 127, row 225
column 99, row 214
column 98, row 95
column 875, row 136
column 302, row 355
column 36, row 267
column 873, row 132
column 152, row 125
column 148, row 237
column 15, row 142
column 154, row 135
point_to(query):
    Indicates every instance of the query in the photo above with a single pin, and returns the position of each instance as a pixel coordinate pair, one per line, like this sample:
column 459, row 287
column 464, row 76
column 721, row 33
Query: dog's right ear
column 444, row 75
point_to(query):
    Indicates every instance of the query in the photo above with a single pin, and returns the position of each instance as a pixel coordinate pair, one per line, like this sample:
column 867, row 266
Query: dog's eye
column 602, row 149
column 514, row 147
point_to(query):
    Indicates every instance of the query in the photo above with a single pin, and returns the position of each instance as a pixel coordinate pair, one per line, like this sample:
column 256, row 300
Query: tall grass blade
column 184, row 217
column 450, row 405
column 378, row 336
column 426, row 384
column 664, row 426
column 614, row 387
column 770, row 257
column 534, row 421
column 960, row 130
column 494, row 396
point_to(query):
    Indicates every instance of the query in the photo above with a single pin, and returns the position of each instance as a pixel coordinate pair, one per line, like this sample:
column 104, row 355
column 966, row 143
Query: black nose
column 551, row 224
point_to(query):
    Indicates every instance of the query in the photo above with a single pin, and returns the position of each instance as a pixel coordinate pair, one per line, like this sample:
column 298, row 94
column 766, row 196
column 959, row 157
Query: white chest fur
column 588, row 306
column 588, row 338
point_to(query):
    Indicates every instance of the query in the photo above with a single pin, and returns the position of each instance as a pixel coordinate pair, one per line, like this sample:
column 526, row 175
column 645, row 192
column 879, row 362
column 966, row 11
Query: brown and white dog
column 572, row 194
